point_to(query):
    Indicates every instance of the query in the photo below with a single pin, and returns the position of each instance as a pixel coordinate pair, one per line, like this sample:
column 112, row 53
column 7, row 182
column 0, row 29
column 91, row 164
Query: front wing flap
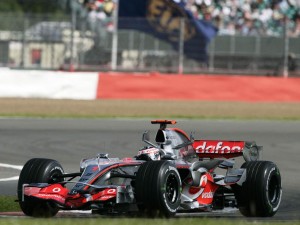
column 60, row 195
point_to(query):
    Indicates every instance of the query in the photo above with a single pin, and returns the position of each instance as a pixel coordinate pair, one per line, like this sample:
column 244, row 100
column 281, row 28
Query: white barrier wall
column 48, row 84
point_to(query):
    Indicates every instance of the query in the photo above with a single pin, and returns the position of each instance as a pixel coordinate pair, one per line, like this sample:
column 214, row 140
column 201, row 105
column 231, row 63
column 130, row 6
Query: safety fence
column 73, row 43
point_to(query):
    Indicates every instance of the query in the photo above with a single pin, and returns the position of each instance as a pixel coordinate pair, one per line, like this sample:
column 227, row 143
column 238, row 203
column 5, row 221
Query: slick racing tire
column 157, row 189
column 38, row 171
column 260, row 194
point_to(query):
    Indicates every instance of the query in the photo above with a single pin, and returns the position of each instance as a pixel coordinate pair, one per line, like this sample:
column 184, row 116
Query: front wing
column 60, row 195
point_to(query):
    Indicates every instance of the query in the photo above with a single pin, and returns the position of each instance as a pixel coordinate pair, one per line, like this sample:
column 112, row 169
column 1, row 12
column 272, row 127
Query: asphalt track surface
column 70, row 140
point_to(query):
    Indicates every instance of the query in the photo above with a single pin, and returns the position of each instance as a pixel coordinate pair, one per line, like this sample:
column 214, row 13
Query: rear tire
column 38, row 171
column 260, row 195
column 157, row 189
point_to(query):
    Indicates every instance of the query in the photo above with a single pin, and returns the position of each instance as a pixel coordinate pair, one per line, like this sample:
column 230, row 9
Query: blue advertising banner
column 161, row 18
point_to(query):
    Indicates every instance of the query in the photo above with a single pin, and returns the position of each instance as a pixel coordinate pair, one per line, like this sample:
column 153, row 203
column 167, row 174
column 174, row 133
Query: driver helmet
column 152, row 153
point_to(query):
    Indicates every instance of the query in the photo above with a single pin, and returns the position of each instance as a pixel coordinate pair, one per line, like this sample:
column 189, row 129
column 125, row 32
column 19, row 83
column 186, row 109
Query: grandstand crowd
column 250, row 17
column 232, row 17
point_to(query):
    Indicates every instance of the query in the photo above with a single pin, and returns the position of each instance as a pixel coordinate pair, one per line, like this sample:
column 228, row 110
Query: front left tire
column 38, row 170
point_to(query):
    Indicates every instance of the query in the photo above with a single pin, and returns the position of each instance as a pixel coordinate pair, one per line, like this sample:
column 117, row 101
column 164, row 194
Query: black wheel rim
column 274, row 190
column 55, row 177
column 172, row 188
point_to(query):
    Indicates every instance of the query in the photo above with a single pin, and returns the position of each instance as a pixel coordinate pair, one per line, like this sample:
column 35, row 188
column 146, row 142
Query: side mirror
column 146, row 136
column 192, row 138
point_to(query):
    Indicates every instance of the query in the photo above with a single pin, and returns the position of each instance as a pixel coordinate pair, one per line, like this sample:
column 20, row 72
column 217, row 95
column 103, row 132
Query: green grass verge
column 9, row 204
column 128, row 221
column 47, row 108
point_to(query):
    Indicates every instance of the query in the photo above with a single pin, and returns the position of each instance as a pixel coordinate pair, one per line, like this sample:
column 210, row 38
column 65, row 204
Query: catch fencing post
column 286, row 49
column 212, row 57
column 114, row 51
column 181, row 46
column 73, row 24
column 24, row 42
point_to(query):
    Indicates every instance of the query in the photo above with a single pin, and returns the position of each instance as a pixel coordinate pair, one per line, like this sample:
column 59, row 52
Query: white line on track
column 11, row 166
column 15, row 167
column 10, row 178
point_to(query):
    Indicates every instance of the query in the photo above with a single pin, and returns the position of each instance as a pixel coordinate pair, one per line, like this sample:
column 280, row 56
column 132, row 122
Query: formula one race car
column 171, row 175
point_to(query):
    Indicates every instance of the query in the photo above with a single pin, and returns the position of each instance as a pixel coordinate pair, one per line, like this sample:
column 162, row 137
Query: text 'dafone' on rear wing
column 227, row 149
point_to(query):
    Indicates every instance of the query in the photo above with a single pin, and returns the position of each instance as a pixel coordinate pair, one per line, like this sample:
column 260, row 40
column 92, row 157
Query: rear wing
column 227, row 149
column 163, row 123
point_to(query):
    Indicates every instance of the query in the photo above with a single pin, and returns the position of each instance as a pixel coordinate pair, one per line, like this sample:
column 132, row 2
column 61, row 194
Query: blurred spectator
column 295, row 31
column 249, row 17
column 241, row 17
column 99, row 18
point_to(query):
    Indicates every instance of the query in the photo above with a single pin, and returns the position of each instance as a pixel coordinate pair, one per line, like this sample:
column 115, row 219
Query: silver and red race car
column 173, row 174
